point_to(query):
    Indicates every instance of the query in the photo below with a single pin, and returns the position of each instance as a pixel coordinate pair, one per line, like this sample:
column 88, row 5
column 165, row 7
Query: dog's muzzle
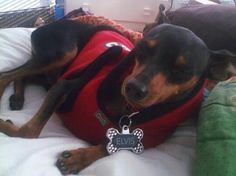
column 136, row 90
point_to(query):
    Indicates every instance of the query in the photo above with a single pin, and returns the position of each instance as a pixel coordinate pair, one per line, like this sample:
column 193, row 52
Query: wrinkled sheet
column 37, row 157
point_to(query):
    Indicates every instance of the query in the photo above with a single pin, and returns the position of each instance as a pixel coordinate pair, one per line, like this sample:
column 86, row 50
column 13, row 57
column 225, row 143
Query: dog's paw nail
column 16, row 107
column 76, row 171
column 60, row 163
column 61, row 166
column 64, row 170
column 9, row 121
column 66, row 154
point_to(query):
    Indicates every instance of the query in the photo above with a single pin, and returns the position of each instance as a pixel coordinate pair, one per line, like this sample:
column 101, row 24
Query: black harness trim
column 78, row 82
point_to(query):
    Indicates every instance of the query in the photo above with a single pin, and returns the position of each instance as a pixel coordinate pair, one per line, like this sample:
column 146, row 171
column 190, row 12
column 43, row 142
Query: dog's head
column 169, row 60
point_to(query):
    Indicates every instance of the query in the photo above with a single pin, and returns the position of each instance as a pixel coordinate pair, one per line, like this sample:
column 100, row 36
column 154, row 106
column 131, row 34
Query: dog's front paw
column 72, row 162
column 7, row 127
column 16, row 102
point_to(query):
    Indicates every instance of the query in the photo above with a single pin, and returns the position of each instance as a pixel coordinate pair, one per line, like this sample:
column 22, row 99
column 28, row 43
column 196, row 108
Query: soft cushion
column 15, row 47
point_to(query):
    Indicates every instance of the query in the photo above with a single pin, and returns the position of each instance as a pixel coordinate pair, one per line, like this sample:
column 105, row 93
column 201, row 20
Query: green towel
column 216, row 133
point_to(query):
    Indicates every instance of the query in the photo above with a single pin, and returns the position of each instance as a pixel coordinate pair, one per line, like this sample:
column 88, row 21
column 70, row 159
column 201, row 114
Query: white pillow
column 15, row 47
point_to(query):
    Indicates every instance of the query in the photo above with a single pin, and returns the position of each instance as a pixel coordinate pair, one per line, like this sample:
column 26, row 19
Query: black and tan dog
column 158, row 77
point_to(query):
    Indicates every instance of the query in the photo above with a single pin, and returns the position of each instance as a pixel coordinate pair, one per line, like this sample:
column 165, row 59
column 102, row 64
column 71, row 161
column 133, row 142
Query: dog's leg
column 73, row 161
column 17, row 75
column 69, row 161
column 28, row 69
column 9, row 76
column 17, row 98
column 32, row 128
column 32, row 68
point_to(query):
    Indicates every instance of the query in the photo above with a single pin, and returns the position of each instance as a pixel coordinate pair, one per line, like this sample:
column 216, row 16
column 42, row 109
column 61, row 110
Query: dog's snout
column 136, row 90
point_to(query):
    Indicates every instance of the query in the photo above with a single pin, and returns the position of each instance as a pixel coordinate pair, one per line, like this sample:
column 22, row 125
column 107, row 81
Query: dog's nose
column 136, row 90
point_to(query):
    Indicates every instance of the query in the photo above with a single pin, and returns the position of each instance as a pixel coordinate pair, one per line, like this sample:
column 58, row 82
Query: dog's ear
column 161, row 16
column 160, row 19
column 222, row 65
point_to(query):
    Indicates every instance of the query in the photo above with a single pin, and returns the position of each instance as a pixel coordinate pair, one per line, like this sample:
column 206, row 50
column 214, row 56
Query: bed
column 37, row 157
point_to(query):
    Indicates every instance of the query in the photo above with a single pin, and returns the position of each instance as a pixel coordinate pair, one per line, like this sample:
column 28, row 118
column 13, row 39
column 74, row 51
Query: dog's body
column 165, row 71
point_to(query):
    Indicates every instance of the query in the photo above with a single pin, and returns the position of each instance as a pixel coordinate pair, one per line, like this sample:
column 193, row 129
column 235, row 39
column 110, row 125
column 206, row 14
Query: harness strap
column 88, row 73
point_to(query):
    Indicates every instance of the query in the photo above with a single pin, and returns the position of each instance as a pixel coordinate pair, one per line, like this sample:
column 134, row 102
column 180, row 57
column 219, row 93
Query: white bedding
column 37, row 157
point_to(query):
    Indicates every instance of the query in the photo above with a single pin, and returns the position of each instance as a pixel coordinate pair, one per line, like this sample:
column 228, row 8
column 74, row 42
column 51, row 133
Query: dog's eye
column 143, row 52
column 179, row 75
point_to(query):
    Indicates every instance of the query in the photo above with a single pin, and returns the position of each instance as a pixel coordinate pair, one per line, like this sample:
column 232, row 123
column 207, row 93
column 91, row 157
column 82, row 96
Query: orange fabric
column 133, row 36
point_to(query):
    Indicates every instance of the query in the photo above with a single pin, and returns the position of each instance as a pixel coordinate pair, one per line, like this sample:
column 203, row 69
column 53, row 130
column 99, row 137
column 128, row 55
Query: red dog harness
column 88, row 121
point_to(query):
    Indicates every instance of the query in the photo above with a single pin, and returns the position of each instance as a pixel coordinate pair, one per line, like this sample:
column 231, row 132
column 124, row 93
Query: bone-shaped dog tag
column 124, row 140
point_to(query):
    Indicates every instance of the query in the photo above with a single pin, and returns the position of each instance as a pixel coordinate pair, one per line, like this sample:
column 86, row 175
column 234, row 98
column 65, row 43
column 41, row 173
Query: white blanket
column 37, row 157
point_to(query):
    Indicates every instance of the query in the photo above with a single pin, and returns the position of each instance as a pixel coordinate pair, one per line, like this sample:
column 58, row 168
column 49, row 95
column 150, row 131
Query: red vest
column 88, row 122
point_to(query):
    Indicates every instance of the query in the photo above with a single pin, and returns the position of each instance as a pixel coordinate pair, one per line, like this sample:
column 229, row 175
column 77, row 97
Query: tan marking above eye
column 151, row 43
column 180, row 61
